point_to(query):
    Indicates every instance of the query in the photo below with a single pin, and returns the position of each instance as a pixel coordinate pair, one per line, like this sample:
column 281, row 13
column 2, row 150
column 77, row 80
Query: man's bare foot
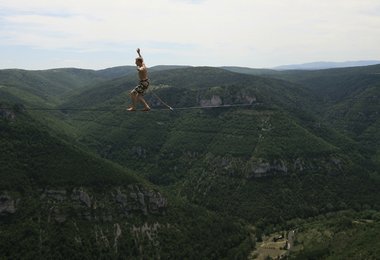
column 146, row 109
column 131, row 109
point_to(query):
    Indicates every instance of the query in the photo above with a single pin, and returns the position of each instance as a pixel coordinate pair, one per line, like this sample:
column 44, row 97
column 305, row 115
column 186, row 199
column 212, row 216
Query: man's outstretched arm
column 138, row 52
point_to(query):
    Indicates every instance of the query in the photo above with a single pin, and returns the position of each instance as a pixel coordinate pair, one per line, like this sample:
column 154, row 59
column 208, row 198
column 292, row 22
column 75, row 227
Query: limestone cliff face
column 7, row 204
column 218, row 100
column 141, row 200
column 108, row 218
column 86, row 204
column 7, row 114
column 213, row 101
column 260, row 167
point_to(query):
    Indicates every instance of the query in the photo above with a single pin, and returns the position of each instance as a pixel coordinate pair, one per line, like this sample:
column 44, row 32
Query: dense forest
column 245, row 155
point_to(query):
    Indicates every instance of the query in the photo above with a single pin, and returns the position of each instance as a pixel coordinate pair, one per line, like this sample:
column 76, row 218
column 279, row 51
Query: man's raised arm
column 138, row 52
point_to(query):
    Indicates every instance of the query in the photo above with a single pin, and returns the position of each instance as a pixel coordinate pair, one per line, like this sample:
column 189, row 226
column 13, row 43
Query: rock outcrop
column 213, row 101
column 141, row 200
column 263, row 168
column 218, row 100
column 60, row 204
column 7, row 114
column 7, row 205
column 259, row 167
column 82, row 196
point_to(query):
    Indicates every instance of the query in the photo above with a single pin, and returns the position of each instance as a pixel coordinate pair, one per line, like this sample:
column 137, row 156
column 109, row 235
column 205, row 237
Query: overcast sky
column 95, row 34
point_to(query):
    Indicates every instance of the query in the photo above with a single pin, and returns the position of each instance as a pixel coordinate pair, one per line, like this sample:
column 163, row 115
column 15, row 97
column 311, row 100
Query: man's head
column 139, row 61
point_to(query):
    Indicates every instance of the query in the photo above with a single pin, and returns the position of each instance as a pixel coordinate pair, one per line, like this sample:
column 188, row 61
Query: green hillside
column 341, row 235
column 348, row 101
column 49, row 85
column 197, row 182
column 345, row 98
column 55, row 85
column 122, row 71
column 226, row 150
column 187, row 86
column 250, row 71
column 45, row 160
column 58, row 201
column 116, row 72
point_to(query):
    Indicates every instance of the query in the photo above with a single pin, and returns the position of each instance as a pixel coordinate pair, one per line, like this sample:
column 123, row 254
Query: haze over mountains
column 327, row 65
column 302, row 154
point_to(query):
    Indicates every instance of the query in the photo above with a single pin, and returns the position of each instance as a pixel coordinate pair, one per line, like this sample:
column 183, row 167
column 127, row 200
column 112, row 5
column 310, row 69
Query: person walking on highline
column 137, row 94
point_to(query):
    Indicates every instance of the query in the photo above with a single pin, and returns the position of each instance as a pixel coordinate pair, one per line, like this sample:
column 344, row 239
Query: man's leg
column 142, row 100
column 133, row 95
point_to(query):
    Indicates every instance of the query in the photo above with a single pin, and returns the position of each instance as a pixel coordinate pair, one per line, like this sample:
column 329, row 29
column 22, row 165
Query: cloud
column 96, row 22
column 218, row 32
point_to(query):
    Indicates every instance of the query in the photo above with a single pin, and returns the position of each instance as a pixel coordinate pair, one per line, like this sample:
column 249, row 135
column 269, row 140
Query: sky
column 97, row 34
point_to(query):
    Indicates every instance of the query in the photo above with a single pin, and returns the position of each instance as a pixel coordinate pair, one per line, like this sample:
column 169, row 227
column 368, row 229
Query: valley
column 215, row 183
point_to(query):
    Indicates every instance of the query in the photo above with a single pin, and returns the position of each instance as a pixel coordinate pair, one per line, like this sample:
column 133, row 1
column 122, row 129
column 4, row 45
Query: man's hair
column 139, row 59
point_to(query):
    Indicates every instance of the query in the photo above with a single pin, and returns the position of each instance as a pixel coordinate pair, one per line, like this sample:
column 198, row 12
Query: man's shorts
column 142, row 87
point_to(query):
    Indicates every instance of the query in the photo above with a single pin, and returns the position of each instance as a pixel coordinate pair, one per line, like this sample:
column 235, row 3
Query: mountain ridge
column 326, row 65
column 309, row 150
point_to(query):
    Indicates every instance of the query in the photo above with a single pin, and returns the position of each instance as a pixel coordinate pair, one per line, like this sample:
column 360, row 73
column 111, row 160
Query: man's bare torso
column 143, row 72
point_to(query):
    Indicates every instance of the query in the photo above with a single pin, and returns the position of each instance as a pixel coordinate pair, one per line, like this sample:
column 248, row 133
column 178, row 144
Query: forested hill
column 195, row 182
column 56, row 200
column 348, row 99
column 278, row 136
column 185, row 87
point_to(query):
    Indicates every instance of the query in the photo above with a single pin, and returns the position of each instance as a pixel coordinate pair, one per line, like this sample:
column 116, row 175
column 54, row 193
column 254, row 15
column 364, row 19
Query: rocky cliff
column 108, row 218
